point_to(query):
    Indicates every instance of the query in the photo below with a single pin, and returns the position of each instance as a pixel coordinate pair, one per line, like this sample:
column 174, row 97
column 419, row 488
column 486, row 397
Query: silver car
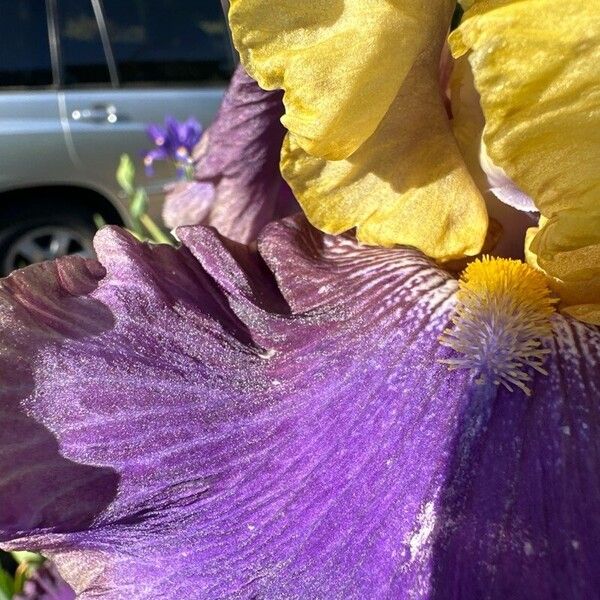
column 79, row 82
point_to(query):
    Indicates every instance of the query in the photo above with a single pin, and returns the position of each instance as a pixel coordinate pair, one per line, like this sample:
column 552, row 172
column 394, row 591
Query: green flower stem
column 154, row 230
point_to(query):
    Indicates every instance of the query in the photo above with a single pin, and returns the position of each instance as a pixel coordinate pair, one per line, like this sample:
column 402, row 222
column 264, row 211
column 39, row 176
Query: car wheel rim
column 46, row 243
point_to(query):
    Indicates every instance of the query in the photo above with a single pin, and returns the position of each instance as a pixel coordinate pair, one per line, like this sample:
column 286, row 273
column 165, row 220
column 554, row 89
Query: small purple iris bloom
column 174, row 141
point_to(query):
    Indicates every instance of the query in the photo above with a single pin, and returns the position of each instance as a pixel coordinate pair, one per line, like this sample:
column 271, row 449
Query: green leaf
column 99, row 221
column 126, row 174
column 7, row 586
column 156, row 233
column 28, row 564
column 140, row 237
column 139, row 203
column 33, row 558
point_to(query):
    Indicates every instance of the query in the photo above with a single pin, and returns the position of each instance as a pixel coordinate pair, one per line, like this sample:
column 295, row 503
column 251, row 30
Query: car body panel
column 32, row 141
column 97, row 144
column 43, row 144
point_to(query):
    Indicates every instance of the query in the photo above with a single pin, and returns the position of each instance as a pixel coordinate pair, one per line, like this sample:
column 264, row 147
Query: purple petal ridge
column 237, row 187
column 281, row 427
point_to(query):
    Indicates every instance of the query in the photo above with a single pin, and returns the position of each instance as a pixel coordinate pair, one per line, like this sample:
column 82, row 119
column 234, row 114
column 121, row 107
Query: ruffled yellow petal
column 407, row 184
column 361, row 81
column 575, row 267
column 340, row 62
column 536, row 68
column 467, row 125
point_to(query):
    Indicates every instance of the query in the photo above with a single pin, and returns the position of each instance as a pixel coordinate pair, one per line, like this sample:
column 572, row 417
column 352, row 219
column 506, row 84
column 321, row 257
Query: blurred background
column 80, row 80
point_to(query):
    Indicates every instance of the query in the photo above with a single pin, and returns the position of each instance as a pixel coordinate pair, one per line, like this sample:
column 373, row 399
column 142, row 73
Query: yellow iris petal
column 407, row 184
column 536, row 67
column 575, row 265
column 467, row 125
column 370, row 144
column 467, row 119
column 340, row 62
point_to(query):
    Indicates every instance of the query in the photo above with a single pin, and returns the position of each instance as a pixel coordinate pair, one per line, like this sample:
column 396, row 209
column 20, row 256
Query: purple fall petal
column 46, row 490
column 46, row 584
column 153, row 155
column 157, row 134
column 189, row 203
column 157, row 154
column 238, row 158
column 295, row 436
column 191, row 134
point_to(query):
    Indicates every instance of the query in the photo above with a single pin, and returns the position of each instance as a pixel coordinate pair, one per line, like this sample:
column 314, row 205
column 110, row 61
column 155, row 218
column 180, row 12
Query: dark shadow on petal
column 41, row 307
column 519, row 514
column 239, row 271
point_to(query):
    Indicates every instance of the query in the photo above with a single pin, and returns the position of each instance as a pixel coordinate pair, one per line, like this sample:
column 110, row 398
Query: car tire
column 34, row 233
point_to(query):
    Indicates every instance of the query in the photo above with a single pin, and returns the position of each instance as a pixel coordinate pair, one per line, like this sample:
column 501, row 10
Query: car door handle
column 99, row 113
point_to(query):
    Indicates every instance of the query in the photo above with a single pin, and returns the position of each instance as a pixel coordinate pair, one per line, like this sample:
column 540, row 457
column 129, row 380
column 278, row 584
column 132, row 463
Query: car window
column 169, row 41
column 24, row 47
column 83, row 58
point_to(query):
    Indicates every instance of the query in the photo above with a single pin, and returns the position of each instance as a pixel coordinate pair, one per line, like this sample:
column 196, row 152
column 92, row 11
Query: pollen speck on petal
column 501, row 322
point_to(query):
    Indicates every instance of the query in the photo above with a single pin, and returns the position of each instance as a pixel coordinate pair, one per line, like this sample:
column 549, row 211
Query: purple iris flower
column 173, row 141
column 237, row 185
column 275, row 420
column 217, row 421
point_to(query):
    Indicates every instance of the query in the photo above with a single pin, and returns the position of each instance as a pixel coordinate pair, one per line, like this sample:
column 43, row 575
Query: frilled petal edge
column 280, row 426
